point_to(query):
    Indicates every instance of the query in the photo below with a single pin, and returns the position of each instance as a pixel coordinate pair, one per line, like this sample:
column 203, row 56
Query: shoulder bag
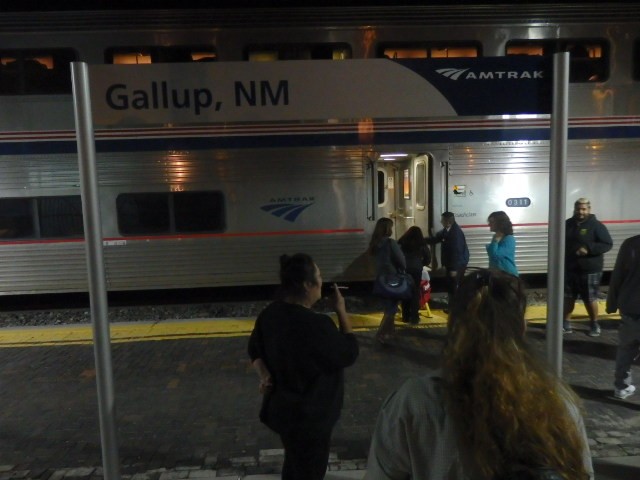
column 397, row 286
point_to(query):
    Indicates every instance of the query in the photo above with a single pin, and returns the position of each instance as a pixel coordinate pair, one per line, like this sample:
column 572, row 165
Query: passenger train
column 214, row 203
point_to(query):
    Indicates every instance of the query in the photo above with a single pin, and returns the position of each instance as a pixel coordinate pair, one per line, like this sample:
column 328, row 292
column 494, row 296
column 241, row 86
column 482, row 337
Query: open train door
column 403, row 190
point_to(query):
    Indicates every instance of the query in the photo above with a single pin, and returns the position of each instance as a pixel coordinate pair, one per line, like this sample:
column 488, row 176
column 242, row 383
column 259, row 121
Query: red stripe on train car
column 191, row 236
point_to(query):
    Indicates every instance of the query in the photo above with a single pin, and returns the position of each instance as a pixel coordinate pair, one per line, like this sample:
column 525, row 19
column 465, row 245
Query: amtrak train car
column 195, row 202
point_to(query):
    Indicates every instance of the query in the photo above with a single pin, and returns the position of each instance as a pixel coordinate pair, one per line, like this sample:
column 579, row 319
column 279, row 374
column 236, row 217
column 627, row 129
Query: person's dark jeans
column 411, row 307
column 306, row 453
column 454, row 277
column 628, row 349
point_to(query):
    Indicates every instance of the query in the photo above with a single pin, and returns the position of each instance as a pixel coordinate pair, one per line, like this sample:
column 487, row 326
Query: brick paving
column 188, row 408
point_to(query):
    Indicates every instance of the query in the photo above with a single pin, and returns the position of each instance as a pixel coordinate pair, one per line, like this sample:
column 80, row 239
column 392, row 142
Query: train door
column 403, row 191
column 385, row 190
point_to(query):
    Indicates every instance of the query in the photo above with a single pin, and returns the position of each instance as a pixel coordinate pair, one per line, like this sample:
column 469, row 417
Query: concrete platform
column 358, row 474
column 617, row 468
column 187, row 402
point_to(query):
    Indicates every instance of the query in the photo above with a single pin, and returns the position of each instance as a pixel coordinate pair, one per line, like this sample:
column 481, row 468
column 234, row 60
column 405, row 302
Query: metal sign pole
column 557, row 202
column 95, row 265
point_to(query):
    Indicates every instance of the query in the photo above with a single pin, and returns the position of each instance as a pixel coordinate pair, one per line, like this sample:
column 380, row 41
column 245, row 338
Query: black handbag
column 397, row 286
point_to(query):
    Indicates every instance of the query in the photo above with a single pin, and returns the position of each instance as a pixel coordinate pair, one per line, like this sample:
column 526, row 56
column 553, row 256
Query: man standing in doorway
column 454, row 254
column 586, row 242
column 623, row 295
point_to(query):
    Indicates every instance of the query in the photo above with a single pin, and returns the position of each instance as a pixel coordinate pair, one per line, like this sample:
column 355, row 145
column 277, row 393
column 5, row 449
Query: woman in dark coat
column 299, row 356
column 416, row 254
column 389, row 259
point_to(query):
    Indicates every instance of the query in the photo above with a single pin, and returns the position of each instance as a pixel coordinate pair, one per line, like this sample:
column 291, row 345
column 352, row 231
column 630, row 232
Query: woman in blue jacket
column 502, row 249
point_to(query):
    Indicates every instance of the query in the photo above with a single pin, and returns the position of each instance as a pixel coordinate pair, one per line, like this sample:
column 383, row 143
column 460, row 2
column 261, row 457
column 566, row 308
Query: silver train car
column 215, row 205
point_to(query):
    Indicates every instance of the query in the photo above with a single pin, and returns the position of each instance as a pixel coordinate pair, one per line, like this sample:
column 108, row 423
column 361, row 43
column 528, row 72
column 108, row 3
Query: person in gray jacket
column 623, row 295
column 493, row 410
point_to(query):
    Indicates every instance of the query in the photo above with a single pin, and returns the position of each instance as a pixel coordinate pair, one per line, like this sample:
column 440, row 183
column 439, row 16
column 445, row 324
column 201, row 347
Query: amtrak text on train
column 291, row 199
column 464, row 74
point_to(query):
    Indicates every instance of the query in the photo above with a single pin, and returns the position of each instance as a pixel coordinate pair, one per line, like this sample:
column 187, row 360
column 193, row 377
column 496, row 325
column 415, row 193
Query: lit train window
column 406, row 184
column 263, row 56
column 588, row 60
column 131, row 58
column 454, row 52
column 324, row 51
column 16, row 218
column 525, row 49
column 429, row 50
column 156, row 54
column 166, row 213
column 421, row 185
column 36, row 72
column 60, row 216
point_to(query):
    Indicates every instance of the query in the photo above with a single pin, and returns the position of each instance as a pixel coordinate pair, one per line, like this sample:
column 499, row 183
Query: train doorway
column 403, row 190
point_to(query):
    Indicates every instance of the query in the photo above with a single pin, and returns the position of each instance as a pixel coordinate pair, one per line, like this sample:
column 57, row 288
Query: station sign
column 301, row 90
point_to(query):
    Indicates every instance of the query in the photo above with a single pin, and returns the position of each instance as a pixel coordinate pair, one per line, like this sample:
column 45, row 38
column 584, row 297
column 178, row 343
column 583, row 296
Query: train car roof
column 292, row 16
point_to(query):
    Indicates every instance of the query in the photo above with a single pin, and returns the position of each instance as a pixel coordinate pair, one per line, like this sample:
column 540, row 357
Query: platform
column 187, row 400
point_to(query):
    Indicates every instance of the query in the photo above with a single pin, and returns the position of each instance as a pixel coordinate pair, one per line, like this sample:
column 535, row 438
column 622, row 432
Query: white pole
column 95, row 265
column 557, row 202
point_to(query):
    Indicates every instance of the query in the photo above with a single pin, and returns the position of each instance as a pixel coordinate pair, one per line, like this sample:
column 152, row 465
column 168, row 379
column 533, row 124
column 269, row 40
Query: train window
column 156, row 54
column 588, row 60
column 421, row 185
column 636, row 60
column 164, row 213
column 135, row 57
column 60, row 216
column 323, row 51
column 143, row 213
column 199, row 211
column 406, row 184
column 381, row 187
column 16, row 218
column 525, row 49
column 429, row 50
column 36, row 72
column 262, row 55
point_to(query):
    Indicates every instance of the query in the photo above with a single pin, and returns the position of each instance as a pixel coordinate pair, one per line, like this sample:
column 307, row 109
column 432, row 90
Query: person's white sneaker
column 625, row 392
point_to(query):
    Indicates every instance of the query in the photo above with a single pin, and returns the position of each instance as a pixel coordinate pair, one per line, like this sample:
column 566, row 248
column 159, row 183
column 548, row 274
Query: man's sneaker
column 625, row 392
column 595, row 331
column 566, row 328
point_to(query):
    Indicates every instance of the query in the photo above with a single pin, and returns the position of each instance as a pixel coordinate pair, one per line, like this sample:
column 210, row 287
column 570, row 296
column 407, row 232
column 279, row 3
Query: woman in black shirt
column 416, row 254
column 300, row 356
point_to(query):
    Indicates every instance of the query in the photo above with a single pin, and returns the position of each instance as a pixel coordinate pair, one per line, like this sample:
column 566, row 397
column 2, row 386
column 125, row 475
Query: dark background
column 52, row 5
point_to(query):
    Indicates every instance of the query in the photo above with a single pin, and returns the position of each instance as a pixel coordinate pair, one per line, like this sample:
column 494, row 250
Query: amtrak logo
column 452, row 73
column 466, row 74
column 286, row 211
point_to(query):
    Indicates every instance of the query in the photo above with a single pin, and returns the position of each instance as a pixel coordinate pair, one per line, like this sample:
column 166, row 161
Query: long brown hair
column 412, row 240
column 383, row 228
column 510, row 408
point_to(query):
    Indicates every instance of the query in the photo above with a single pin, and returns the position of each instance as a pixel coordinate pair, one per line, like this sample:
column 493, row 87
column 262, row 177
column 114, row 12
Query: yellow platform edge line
column 82, row 334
